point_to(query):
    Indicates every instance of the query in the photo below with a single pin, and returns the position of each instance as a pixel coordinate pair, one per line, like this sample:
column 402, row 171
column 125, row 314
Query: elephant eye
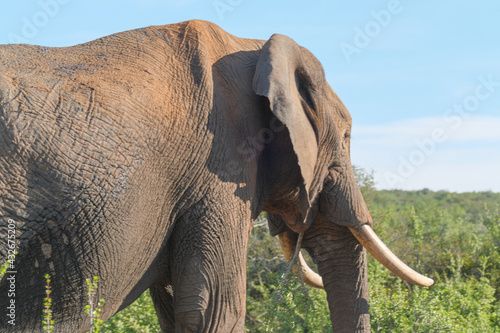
column 345, row 141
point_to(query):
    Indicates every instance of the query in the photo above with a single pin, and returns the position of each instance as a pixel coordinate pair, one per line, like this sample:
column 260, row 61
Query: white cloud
column 406, row 155
column 466, row 177
column 474, row 128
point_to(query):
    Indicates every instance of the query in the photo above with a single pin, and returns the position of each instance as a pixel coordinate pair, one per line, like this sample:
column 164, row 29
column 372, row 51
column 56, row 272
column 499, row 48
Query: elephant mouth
column 371, row 242
column 302, row 270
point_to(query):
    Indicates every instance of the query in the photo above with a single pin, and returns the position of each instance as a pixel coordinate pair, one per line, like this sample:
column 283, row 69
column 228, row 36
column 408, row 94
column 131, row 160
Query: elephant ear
column 279, row 74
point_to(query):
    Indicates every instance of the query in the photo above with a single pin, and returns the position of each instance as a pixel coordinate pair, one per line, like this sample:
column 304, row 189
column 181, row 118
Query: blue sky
column 421, row 79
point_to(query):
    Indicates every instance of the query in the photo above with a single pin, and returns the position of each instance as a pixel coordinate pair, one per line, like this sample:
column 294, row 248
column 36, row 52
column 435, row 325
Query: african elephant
column 143, row 158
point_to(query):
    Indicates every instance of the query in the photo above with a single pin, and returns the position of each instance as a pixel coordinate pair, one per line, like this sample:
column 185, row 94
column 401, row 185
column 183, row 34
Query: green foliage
column 456, row 305
column 365, row 181
column 5, row 266
column 451, row 237
column 48, row 323
column 296, row 309
column 94, row 307
column 140, row 316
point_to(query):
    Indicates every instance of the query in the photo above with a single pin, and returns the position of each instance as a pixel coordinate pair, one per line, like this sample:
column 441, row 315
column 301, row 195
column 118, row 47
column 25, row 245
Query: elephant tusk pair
column 369, row 239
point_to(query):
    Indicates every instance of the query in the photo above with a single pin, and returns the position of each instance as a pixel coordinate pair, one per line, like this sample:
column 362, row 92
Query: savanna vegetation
column 452, row 237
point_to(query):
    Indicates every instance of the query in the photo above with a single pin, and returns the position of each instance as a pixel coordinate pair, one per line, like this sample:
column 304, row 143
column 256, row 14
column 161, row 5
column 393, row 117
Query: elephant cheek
column 342, row 204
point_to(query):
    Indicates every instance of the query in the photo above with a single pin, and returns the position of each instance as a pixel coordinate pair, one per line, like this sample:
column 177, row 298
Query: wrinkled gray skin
column 143, row 158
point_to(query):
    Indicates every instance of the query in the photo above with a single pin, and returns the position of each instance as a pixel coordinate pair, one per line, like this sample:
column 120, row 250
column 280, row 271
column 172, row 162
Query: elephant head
column 325, row 206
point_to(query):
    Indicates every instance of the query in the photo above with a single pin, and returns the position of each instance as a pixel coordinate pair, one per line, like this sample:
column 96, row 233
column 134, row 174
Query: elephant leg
column 209, row 263
column 163, row 300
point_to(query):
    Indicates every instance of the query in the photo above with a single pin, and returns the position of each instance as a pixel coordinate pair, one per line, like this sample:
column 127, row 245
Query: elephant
column 143, row 158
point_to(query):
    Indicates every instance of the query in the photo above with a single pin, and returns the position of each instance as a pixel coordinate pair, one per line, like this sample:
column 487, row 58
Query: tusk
column 311, row 278
column 369, row 239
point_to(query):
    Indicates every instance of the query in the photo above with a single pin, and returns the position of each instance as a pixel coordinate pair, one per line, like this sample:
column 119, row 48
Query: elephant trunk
column 342, row 264
column 345, row 279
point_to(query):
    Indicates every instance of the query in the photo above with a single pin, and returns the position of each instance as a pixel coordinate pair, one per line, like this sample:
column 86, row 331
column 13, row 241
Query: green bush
column 275, row 305
column 140, row 316
column 456, row 305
